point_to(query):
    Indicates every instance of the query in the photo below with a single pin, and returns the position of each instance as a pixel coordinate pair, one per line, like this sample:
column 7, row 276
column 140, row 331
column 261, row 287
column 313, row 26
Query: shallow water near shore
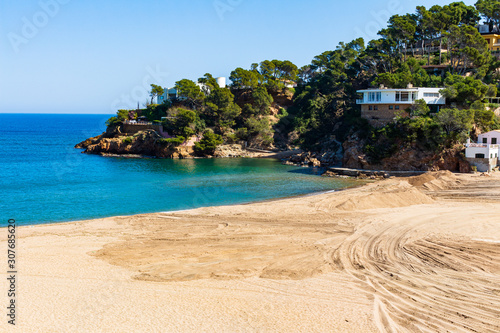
column 44, row 179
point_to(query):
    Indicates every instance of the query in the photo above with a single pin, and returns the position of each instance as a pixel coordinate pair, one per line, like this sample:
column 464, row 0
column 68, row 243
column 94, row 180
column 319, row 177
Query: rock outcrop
column 354, row 157
column 406, row 159
column 146, row 143
column 351, row 155
column 234, row 150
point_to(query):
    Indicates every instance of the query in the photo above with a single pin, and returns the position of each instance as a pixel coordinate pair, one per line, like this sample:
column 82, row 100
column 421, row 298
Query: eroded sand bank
column 421, row 254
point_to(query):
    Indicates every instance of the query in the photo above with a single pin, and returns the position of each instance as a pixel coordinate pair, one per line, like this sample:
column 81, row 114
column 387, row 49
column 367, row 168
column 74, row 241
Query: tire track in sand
column 429, row 284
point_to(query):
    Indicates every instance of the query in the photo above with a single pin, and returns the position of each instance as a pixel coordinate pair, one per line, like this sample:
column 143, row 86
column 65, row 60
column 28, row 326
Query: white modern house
column 380, row 106
column 485, row 154
column 168, row 94
column 171, row 93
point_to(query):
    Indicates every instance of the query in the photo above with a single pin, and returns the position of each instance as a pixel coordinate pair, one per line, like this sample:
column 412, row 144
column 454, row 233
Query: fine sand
column 401, row 255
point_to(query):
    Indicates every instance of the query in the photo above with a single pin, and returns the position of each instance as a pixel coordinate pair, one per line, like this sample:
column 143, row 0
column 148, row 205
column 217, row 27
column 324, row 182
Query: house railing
column 133, row 122
column 482, row 145
column 494, row 100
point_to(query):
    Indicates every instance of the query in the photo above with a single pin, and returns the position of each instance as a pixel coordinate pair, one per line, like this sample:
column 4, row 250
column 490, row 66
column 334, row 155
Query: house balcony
column 476, row 145
column 362, row 101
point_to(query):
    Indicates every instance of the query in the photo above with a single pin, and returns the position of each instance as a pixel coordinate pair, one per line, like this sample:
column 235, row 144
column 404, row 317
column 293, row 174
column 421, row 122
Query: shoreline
column 190, row 209
column 396, row 254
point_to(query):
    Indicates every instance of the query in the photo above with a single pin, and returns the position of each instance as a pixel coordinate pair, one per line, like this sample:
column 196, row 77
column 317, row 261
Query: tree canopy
column 156, row 91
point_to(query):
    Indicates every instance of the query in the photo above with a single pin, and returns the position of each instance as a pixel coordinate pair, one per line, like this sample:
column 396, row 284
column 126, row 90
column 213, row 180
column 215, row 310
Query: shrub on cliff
column 208, row 143
column 121, row 116
column 156, row 111
column 127, row 140
column 181, row 122
column 172, row 142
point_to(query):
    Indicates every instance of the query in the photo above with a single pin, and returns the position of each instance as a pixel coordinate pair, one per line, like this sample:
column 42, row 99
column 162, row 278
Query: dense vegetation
column 435, row 47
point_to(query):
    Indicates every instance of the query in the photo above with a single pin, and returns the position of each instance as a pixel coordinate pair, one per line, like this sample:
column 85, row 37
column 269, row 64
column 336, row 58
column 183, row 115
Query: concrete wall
column 383, row 115
column 484, row 164
column 135, row 128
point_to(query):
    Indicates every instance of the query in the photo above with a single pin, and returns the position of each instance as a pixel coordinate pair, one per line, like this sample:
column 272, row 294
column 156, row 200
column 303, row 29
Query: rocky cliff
column 146, row 143
column 410, row 158
column 348, row 154
column 351, row 155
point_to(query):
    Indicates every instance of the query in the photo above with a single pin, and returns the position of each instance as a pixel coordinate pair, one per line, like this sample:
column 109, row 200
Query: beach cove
column 397, row 255
column 45, row 180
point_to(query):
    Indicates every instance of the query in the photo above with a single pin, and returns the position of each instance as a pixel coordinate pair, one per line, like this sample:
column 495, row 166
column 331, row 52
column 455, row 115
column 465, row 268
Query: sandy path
column 421, row 255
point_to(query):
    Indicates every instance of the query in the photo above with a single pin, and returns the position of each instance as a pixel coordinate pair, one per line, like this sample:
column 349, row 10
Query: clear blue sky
column 88, row 56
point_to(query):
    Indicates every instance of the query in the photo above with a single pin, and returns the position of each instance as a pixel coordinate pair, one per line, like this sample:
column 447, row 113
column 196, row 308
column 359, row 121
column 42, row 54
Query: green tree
column 305, row 74
column 242, row 78
column 419, row 108
column 328, row 100
column 208, row 144
column 485, row 119
column 209, row 83
column 262, row 100
column 401, row 30
column 435, row 23
column 121, row 116
column 468, row 49
column 220, row 109
column 258, row 131
column 181, row 122
column 155, row 111
column 466, row 90
column 155, row 92
column 456, row 13
column 275, row 73
column 191, row 91
column 490, row 11
column 456, row 123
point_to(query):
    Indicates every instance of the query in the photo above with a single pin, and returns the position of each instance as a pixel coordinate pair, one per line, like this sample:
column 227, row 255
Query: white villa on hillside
column 484, row 155
column 171, row 93
column 380, row 106
column 168, row 94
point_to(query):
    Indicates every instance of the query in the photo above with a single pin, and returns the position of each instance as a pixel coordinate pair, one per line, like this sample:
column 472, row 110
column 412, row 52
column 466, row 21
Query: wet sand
column 399, row 255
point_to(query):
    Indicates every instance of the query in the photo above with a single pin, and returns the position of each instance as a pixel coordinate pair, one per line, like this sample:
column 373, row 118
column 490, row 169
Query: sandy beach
column 420, row 254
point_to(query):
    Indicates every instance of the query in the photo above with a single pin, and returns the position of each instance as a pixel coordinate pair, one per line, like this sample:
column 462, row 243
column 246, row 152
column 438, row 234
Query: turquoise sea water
column 44, row 179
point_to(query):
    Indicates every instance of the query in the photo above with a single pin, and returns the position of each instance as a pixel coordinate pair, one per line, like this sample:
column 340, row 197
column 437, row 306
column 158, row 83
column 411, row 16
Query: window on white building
column 374, row 97
column 402, row 96
column 434, row 95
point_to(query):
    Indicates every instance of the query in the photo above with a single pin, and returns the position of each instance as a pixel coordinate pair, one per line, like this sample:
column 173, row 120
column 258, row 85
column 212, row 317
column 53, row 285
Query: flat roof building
column 380, row 106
